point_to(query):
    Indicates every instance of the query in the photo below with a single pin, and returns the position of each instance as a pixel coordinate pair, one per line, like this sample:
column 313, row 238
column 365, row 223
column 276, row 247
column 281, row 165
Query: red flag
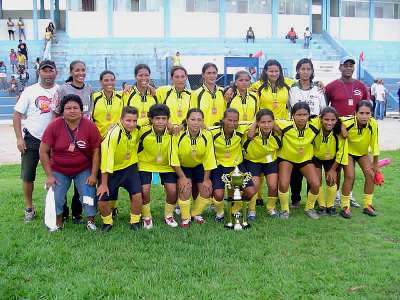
column 362, row 56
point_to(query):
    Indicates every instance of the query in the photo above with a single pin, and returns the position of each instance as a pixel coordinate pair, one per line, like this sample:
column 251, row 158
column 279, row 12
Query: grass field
column 330, row 258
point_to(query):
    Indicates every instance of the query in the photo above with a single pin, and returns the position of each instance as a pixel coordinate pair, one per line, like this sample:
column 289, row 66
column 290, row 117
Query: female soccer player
column 141, row 95
column 362, row 135
column 297, row 152
column 330, row 152
column 242, row 99
column 154, row 153
column 228, row 154
column 107, row 104
column 193, row 159
column 209, row 97
column 119, row 168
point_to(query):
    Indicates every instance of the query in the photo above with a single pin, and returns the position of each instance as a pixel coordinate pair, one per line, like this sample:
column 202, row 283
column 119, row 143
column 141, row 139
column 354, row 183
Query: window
column 334, row 8
column 358, row 9
column 88, row 5
column 248, row 6
column 202, row 5
column 387, row 9
column 294, row 7
column 137, row 5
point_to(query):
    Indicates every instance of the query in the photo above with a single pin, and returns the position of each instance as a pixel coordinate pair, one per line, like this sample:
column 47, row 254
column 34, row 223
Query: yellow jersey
column 332, row 146
column 247, row 106
column 261, row 149
column 141, row 102
column 177, row 102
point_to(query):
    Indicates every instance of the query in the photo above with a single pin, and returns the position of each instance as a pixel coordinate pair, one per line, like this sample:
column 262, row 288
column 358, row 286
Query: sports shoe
column 322, row 211
column 106, row 227
column 219, row 218
column 147, row 223
column 284, row 215
column 370, row 211
column 311, row 213
column 345, row 213
column 251, row 216
column 91, row 226
column 185, row 223
column 134, row 226
column 353, row 202
column 273, row 213
column 29, row 214
column 65, row 213
column 177, row 210
column 260, row 202
column 295, row 204
column 331, row 211
column 115, row 212
column 198, row 219
column 77, row 220
column 170, row 221
column 58, row 228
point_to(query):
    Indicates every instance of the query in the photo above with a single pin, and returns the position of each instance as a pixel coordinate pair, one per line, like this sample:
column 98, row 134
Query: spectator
column 52, row 29
column 23, row 77
column 47, row 44
column 21, row 59
column 12, row 86
column 250, row 35
column 21, row 28
column 11, row 29
column 380, row 98
column 3, row 76
column 398, row 95
column 176, row 59
column 36, row 68
column 13, row 60
column 307, row 38
column 24, row 50
column 372, row 93
column 292, row 36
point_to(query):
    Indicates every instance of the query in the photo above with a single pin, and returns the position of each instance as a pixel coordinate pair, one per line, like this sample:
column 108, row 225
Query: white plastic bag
column 50, row 210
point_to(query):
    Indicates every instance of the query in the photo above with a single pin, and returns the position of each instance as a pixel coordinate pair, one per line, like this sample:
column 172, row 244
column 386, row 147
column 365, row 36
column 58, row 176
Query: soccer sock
column 260, row 189
column 199, row 205
column 311, row 199
column 252, row 203
column 185, row 209
column 169, row 209
column 368, row 200
column 271, row 203
column 134, row 219
column 237, row 206
column 146, row 213
column 284, row 200
column 108, row 220
column 321, row 197
column 330, row 195
column 345, row 201
column 219, row 207
column 112, row 204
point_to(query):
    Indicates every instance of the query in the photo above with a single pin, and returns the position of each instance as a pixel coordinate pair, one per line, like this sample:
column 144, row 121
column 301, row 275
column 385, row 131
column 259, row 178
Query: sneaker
column 345, row 213
column 260, row 202
column 185, row 223
column 177, row 210
column 147, row 223
column 311, row 213
column 284, row 215
column 91, row 226
column 337, row 199
column 115, row 212
column 251, row 216
column 58, row 228
column 273, row 213
column 170, row 221
column 198, row 219
column 77, row 220
column 29, row 214
column 370, row 211
column 106, row 227
column 353, row 202
column 295, row 205
column 331, row 211
column 219, row 218
column 322, row 211
column 134, row 226
column 65, row 214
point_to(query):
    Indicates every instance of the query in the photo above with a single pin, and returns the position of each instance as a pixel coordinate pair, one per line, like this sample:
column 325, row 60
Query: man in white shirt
column 35, row 104
column 380, row 97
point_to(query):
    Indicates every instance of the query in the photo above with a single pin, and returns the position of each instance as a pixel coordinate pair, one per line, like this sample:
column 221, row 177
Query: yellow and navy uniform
column 141, row 102
column 332, row 147
column 106, row 112
column 297, row 144
column 177, row 102
column 247, row 106
column 261, row 149
column 362, row 139
column 274, row 100
column 211, row 103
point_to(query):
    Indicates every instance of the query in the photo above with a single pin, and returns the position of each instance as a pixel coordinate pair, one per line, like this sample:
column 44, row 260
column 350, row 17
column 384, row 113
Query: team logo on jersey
column 81, row 144
column 43, row 104
column 357, row 92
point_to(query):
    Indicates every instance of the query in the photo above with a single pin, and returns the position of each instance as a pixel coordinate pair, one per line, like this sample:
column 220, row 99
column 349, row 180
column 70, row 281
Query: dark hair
column 362, row 103
column 280, row 83
column 208, row 65
column 141, row 66
column 300, row 105
column 264, row 112
column 302, row 62
column 70, row 98
column 230, row 110
column 191, row 111
column 158, row 110
column 106, row 72
column 176, row 68
column 338, row 126
column 71, row 67
column 129, row 110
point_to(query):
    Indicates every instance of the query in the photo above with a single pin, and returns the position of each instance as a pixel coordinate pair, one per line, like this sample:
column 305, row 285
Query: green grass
column 331, row 258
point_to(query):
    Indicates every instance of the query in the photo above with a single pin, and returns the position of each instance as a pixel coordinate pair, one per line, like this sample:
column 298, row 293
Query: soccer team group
column 278, row 129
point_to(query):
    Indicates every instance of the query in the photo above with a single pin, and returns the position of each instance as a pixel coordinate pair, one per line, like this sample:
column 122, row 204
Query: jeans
column 379, row 110
column 306, row 42
column 62, row 186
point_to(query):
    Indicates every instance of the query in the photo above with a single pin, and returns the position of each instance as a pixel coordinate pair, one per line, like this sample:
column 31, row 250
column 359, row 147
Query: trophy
column 235, row 182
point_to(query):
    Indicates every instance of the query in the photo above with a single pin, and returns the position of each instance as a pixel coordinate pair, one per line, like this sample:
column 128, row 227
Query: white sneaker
column 147, row 223
column 170, row 221
column 353, row 202
column 199, row 219
column 91, row 226
column 29, row 216
column 251, row 216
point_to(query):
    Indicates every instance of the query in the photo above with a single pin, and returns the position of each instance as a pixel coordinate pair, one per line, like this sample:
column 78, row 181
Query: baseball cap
column 47, row 63
column 346, row 59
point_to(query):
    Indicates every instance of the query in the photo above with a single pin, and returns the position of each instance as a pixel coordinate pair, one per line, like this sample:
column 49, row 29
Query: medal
column 227, row 154
column 194, row 153
column 159, row 158
column 71, row 147
column 245, row 117
column 327, row 155
column 143, row 114
column 300, row 150
column 127, row 155
column 179, row 113
column 108, row 116
column 275, row 104
column 214, row 110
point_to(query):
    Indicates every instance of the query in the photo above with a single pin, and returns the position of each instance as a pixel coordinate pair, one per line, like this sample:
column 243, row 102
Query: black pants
column 296, row 182
column 76, row 205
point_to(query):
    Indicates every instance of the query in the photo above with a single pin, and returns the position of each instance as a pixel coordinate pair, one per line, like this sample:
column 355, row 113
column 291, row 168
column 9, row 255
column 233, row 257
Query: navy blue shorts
column 296, row 165
column 127, row 178
column 261, row 168
column 355, row 157
column 216, row 176
column 196, row 174
column 168, row 177
column 327, row 164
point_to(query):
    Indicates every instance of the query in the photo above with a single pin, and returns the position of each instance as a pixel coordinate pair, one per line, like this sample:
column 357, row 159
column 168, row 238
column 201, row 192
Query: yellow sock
column 284, row 200
column 237, row 206
column 146, row 213
column 169, row 209
column 134, row 218
column 345, row 201
column 199, row 205
column 252, row 203
column 185, row 209
column 330, row 195
column 107, row 219
column 368, row 200
column 311, row 199
column 261, row 188
column 271, row 203
column 112, row 204
column 219, row 207
column 321, row 197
